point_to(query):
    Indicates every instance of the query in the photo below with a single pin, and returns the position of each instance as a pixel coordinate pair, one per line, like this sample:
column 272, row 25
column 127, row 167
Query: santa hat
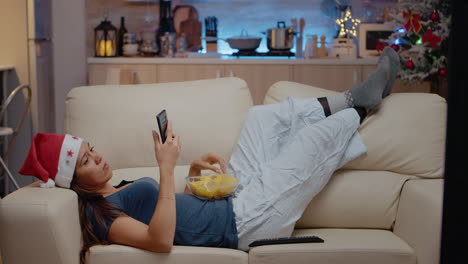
column 52, row 159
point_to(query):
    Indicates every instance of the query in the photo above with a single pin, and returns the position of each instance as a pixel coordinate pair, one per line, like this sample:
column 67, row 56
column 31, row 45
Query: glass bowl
column 212, row 186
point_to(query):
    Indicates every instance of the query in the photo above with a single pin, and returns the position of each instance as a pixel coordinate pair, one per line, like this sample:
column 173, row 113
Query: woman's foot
column 368, row 94
column 394, row 60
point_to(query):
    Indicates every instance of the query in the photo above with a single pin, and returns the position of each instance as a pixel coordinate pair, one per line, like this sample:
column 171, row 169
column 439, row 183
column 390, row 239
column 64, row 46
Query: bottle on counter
column 166, row 22
column 121, row 37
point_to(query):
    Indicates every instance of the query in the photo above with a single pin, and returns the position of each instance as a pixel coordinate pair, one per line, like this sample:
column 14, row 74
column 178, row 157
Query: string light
column 344, row 32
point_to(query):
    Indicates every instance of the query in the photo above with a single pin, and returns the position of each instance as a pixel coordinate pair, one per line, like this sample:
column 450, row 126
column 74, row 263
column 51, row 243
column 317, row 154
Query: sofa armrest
column 40, row 224
column 419, row 218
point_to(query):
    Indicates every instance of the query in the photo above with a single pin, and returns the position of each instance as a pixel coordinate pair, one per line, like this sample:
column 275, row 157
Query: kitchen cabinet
column 170, row 73
column 259, row 74
column 121, row 74
column 332, row 77
column 187, row 72
column 203, row 71
column 258, row 77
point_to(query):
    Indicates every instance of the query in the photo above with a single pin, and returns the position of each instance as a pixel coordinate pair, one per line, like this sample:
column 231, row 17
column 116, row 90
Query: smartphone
column 162, row 124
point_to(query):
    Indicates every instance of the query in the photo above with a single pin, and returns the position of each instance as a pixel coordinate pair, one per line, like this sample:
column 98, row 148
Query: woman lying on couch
column 284, row 156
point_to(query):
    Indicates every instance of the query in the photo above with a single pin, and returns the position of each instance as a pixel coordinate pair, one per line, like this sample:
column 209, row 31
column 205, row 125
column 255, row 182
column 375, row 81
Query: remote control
column 286, row 240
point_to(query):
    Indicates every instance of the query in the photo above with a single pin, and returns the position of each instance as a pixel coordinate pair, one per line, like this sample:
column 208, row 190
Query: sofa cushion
column 406, row 135
column 180, row 254
column 206, row 114
column 340, row 246
column 355, row 199
column 351, row 199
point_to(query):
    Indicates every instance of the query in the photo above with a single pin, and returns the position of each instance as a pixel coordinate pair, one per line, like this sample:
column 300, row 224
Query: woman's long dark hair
column 100, row 209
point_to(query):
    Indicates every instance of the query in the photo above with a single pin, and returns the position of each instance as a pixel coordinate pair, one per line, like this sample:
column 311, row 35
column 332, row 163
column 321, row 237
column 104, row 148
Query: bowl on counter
column 130, row 49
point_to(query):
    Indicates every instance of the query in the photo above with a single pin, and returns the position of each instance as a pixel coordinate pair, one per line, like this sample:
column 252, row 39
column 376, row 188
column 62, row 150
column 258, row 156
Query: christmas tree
column 421, row 35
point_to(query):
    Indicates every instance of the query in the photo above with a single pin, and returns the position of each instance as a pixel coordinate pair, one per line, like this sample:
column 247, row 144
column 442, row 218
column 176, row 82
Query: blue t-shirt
column 198, row 222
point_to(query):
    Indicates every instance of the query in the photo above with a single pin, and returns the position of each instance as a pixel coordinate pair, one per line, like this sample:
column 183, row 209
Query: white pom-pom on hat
column 49, row 184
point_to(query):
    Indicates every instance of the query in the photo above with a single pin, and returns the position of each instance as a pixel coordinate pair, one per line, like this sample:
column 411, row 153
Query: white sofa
column 384, row 207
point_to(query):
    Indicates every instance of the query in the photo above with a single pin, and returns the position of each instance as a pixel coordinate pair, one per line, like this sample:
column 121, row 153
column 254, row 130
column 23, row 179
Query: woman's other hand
column 167, row 153
column 205, row 162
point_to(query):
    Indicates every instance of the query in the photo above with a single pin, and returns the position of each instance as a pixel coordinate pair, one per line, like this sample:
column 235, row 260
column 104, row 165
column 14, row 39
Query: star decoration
column 343, row 22
column 70, row 153
column 431, row 38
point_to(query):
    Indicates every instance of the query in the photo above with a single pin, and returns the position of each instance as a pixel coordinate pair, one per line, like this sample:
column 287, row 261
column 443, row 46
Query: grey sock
column 394, row 60
column 368, row 94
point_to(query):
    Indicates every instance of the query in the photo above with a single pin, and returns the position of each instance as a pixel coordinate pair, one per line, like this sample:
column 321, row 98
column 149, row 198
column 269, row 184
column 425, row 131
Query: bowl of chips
column 212, row 186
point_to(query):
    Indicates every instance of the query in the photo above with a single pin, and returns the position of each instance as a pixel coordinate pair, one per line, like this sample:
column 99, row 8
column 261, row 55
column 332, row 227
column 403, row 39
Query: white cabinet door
column 400, row 86
column 333, row 77
column 170, row 73
column 259, row 77
column 121, row 74
column 203, row 71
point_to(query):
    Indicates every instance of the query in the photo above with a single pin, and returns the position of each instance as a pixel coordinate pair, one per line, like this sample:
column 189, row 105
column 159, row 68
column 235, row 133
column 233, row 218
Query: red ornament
column 442, row 72
column 434, row 16
column 409, row 65
column 431, row 38
column 395, row 47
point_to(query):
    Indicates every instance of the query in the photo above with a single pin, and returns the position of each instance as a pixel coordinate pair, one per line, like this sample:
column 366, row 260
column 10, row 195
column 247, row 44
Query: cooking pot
column 242, row 42
column 281, row 37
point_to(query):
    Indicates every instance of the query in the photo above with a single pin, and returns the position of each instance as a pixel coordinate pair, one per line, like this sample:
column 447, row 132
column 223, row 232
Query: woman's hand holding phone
column 167, row 153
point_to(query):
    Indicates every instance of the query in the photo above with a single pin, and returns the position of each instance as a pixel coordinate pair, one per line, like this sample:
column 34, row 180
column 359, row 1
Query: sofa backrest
column 118, row 119
column 406, row 135
column 405, row 139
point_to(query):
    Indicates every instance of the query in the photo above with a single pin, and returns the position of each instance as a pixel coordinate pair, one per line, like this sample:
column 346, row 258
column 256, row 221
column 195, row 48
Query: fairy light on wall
column 342, row 22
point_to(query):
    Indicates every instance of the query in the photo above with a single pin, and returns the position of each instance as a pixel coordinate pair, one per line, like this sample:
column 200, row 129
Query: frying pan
column 242, row 42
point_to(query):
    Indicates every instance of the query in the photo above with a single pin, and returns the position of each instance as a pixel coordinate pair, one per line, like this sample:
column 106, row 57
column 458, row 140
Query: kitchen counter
column 6, row 67
column 227, row 59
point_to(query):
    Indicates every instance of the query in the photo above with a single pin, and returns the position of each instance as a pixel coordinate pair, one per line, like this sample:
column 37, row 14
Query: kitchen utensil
column 181, row 43
column 241, row 42
column 149, row 47
column 192, row 29
column 182, row 13
column 167, row 44
column 281, row 37
column 211, row 30
column 294, row 24
column 301, row 26
column 300, row 39
column 343, row 48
